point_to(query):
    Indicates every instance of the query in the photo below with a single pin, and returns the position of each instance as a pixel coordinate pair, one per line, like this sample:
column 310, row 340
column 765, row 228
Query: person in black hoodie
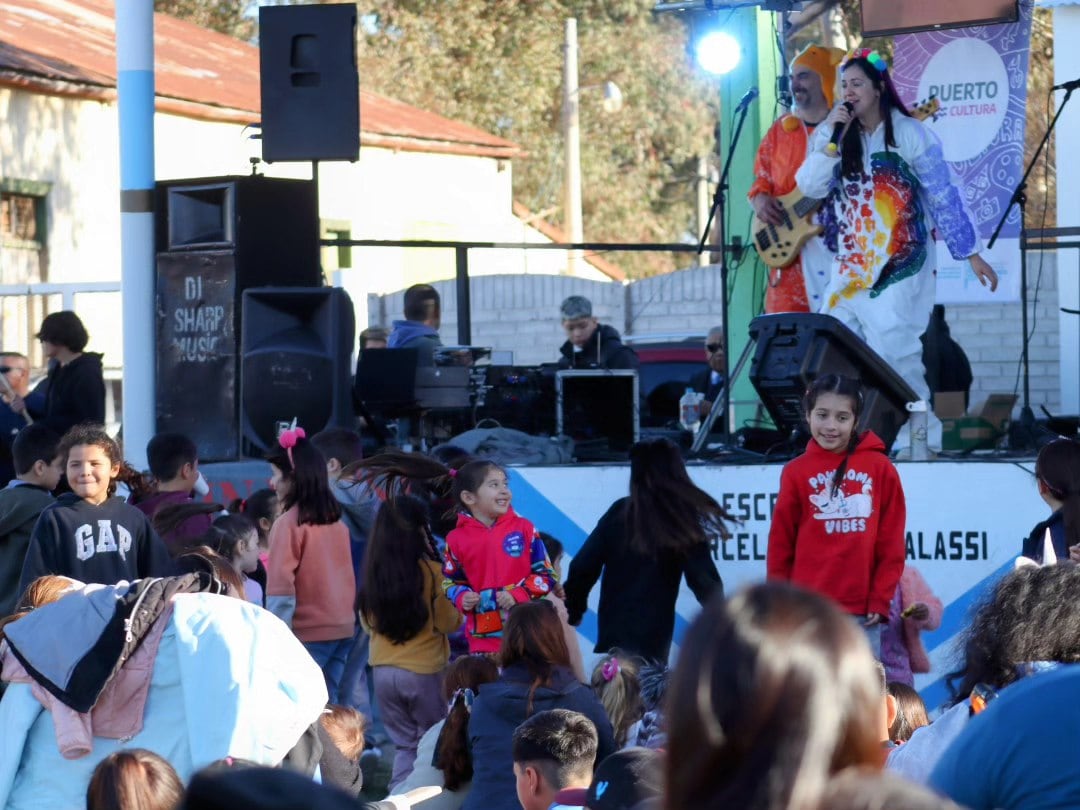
column 536, row 676
column 591, row 344
column 89, row 534
column 75, row 391
column 640, row 551
column 38, row 469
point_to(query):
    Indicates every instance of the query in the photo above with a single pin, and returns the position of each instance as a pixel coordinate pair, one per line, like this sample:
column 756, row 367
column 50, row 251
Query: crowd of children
column 377, row 565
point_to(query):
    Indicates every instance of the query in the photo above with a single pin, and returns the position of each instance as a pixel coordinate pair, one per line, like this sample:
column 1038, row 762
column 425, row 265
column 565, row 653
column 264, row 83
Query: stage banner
column 979, row 75
column 960, row 542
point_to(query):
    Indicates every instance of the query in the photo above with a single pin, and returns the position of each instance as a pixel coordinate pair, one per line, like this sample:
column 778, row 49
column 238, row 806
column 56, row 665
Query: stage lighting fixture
column 718, row 52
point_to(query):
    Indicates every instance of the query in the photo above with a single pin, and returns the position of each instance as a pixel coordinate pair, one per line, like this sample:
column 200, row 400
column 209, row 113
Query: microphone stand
column 1019, row 198
column 719, row 213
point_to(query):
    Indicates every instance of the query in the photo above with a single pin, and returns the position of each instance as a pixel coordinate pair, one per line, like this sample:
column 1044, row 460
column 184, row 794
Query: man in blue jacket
column 420, row 329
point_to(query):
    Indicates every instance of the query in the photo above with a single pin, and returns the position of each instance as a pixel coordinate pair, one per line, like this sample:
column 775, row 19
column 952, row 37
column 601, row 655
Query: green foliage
column 498, row 66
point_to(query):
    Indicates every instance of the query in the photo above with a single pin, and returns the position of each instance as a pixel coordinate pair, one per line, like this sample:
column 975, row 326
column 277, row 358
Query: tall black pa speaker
column 215, row 238
column 309, row 82
column 297, row 350
column 794, row 348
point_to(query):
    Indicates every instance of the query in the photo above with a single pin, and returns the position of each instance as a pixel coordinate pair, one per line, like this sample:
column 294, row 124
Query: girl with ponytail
column 838, row 525
column 443, row 756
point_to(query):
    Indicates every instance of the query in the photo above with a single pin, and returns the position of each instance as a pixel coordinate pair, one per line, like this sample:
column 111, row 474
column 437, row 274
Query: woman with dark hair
column 889, row 188
column 535, row 677
column 1028, row 623
column 403, row 606
column 75, row 390
column 774, row 692
column 640, row 550
column 310, row 582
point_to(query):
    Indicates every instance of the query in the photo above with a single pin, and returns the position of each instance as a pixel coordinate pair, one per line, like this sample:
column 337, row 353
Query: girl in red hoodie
column 494, row 558
column 838, row 526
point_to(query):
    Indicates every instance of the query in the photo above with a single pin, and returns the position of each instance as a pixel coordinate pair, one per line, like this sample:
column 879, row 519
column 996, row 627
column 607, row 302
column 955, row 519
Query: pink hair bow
column 610, row 668
column 288, row 438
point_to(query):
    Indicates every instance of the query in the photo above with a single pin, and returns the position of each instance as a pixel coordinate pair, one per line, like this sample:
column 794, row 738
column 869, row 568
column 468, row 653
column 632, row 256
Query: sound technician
column 590, row 344
column 797, row 287
column 888, row 185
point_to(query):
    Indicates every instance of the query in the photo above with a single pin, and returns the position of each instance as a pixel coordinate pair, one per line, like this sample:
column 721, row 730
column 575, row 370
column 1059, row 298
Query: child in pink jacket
column 914, row 608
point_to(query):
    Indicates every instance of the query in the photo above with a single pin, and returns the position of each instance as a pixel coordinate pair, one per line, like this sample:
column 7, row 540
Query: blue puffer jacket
column 500, row 708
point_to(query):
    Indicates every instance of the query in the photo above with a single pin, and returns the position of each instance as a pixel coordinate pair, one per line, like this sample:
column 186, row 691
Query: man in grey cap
column 591, row 344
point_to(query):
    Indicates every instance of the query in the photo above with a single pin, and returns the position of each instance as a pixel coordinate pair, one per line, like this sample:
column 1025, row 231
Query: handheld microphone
column 1070, row 86
column 837, row 131
column 748, row 96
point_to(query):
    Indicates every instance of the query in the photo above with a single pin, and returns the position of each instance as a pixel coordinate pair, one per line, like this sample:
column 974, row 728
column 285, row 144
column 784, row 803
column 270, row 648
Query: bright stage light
column 718, row 52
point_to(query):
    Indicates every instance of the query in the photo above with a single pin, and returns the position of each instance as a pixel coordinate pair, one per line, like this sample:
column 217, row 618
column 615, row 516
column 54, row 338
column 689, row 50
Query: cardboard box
column 980, row 427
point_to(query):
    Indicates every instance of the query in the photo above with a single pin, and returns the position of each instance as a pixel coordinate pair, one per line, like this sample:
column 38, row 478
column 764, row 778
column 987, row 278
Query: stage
column 966, row 521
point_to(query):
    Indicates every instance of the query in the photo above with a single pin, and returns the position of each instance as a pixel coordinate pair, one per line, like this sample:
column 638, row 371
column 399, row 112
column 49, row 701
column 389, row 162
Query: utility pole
column 572, row 144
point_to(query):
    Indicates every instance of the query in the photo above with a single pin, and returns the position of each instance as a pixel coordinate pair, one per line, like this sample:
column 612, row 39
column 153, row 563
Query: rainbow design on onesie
column 887, row 238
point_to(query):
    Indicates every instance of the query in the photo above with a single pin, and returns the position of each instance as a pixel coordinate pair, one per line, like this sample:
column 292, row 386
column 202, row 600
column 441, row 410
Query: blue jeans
column 353, row 688
column 873, row 634
column 330, row 656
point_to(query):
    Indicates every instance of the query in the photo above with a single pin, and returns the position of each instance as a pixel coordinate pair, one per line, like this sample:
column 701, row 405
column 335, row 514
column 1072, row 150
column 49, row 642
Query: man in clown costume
column 798, row 287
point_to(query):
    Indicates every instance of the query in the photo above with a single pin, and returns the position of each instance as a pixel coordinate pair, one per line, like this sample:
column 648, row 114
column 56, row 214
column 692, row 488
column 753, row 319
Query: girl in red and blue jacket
column 494, row 558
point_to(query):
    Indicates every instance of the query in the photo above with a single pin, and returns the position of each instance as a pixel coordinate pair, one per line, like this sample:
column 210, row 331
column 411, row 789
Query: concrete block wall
column 684, row 301
column 515, row 312
column 521, row 313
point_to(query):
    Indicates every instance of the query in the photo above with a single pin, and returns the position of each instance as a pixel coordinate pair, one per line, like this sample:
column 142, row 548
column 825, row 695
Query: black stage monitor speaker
column 386, row 381
column 598, row 409
column 297, row 351
column 794, row 348
column 309, row 82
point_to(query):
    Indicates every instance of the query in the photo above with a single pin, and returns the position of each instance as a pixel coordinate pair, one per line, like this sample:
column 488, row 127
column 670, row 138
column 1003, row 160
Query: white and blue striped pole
column 135, row 90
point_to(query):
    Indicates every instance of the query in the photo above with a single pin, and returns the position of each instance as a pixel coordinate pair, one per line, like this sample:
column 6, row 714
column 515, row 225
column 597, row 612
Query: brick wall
column 521, row 313
column 992, row 337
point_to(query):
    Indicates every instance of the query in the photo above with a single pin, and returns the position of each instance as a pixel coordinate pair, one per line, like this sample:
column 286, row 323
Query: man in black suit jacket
column 710, row 380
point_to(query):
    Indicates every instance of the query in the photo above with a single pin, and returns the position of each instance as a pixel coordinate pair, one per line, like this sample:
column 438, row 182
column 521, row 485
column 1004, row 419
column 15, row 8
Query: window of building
column 340, row 257
column 22, row 213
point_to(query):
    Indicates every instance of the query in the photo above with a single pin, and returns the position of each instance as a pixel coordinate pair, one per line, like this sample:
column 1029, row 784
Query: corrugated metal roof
column 68, row 47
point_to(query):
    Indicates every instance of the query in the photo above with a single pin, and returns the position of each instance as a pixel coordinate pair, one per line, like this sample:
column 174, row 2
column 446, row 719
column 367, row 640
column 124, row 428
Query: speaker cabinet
column 196, row 381
column 270, row 223
column 215, row 238
column 296, row 362
column 309, row 82
column 794, row 348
